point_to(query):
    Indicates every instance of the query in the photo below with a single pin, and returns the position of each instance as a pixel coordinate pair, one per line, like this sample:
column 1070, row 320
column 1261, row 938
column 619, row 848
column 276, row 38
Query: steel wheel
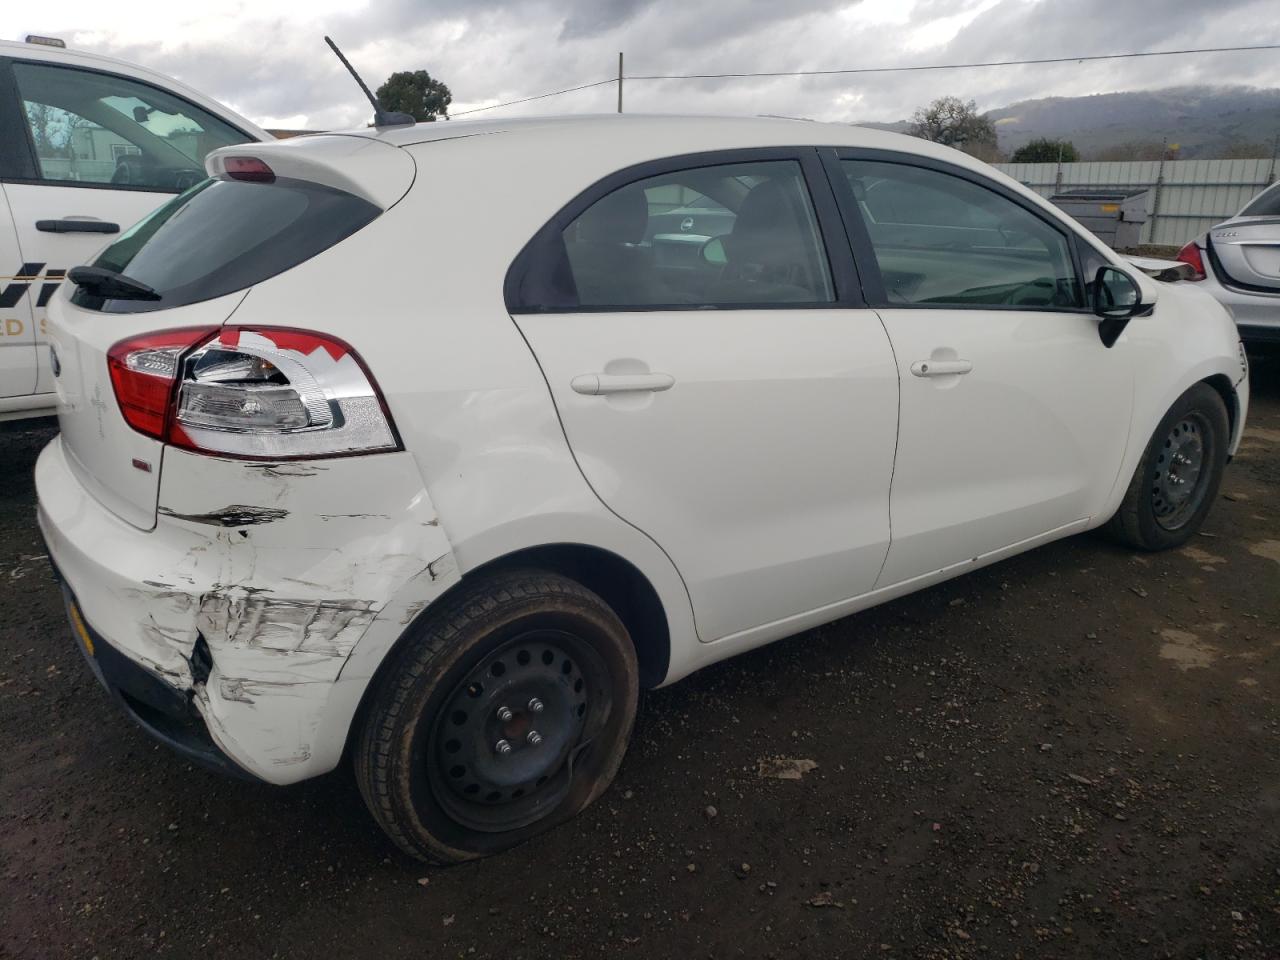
column 502, row 751
column 1178, row 481
column 506, row 710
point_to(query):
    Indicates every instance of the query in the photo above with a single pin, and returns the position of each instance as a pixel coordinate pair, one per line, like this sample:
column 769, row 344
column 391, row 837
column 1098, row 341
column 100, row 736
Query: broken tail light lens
column 263, row 393
column 143, row 372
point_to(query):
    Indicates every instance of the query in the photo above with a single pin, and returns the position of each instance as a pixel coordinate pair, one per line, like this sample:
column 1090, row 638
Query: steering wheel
column 186, row 178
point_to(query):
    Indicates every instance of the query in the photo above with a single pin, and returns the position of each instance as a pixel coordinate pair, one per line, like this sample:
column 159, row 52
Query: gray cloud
column 489, row 50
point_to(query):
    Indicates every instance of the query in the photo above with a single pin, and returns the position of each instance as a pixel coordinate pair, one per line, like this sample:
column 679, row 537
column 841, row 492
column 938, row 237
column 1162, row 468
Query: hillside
column 1205, row 121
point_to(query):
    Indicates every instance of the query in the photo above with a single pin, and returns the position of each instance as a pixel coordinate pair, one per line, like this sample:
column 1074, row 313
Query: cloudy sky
column 267, row 58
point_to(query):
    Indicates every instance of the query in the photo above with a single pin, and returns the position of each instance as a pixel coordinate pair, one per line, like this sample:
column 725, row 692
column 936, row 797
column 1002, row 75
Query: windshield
column 226, row 235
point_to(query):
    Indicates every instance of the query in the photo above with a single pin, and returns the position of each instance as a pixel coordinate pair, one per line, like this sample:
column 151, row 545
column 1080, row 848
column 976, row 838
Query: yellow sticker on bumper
column 77, row 624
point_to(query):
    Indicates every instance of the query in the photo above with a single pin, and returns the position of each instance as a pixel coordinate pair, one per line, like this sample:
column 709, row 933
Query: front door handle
column 598, row 384
column 77, row 225
column 940, row 368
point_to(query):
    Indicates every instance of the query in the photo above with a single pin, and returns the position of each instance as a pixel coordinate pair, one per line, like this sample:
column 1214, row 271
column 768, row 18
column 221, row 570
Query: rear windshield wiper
column 110, row 284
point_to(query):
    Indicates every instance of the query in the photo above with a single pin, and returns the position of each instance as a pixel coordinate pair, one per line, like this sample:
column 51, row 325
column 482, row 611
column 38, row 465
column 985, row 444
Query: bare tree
column 955, row 123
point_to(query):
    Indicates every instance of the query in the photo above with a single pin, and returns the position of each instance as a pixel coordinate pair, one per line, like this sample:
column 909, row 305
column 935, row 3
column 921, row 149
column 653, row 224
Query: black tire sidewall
column 424, row 823
column 1206, row 401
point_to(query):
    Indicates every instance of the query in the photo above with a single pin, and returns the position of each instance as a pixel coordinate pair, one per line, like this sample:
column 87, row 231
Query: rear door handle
column 597, row 384
column 940, row 368
column 76, row 225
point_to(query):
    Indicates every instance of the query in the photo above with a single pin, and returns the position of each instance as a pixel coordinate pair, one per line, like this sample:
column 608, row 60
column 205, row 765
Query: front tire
column 506, row 712
column 1176, row 482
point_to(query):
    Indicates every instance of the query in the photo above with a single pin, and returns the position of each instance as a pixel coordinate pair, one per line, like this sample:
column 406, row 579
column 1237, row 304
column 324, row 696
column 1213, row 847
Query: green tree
column 955, row 123
column 416, row 93
column 1045, row 150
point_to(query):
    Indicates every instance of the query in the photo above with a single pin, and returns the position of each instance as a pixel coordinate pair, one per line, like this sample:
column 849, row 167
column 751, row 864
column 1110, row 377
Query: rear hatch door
column 118, row 465
column 201, row 253
column 1248, row 250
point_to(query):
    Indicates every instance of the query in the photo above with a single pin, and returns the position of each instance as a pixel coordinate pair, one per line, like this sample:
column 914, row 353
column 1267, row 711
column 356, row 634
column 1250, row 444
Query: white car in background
column 88, row 146
column 350, row 461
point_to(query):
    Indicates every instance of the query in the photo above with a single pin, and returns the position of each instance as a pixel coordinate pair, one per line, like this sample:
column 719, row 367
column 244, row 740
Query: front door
column 104, row 151
column 1014, row 415
column 720, row 383
column 17, row 333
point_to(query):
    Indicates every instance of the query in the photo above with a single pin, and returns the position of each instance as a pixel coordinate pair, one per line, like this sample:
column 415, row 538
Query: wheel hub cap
column 1178, row 470
column 501, row 750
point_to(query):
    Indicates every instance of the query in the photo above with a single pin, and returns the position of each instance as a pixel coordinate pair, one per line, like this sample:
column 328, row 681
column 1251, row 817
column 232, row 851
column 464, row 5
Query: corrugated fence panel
column 1186, row 197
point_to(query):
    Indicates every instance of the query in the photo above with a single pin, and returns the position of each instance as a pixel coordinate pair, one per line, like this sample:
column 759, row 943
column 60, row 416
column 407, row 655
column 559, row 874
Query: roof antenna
column 381, row 118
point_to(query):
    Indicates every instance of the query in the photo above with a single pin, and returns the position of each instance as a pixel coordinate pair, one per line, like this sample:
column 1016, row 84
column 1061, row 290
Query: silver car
column 1238, row 261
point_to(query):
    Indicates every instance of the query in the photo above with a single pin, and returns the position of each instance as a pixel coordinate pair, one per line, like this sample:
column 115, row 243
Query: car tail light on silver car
column 252, row 392
column 1191, row 254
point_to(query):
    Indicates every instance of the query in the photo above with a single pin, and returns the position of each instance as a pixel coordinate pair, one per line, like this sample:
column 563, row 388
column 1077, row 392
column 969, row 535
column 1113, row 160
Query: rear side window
column 730, row 235
column 226, row 235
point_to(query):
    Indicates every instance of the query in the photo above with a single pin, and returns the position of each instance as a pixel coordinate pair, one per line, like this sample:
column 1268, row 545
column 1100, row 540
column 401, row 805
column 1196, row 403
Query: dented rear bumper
column 282, row 570
column 159, row 708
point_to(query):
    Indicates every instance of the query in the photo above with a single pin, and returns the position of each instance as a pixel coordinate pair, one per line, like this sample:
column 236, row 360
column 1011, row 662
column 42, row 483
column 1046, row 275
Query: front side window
column 942, row 240
column 738, row 234
column 99, row 128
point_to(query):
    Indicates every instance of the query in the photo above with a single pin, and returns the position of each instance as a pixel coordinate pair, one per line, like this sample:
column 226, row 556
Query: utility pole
column 619, row 81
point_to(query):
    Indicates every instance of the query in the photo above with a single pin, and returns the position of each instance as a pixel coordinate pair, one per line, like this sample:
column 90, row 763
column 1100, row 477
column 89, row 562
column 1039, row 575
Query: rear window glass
column 226, row 235
column 1265, row 204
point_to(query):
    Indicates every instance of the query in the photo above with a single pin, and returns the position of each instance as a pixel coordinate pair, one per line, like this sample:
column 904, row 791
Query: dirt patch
column 1186, row 649
column 1267, row 549
column 1021, row 774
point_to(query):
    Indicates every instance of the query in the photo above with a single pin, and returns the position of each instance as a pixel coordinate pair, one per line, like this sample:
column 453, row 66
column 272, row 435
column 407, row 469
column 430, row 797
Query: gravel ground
column 1075, row 753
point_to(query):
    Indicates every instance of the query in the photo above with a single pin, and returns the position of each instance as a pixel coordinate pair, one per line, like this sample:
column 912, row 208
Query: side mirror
column 1116, row 298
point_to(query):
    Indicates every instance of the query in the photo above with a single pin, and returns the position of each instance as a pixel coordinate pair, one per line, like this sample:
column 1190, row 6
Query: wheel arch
column 616, row 580
column 1222, row 385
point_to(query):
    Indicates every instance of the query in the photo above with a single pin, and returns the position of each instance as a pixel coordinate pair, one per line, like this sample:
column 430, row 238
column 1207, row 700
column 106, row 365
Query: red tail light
column 1191, row 254
column 144, row 371
column 251, row 392
column 248, row 168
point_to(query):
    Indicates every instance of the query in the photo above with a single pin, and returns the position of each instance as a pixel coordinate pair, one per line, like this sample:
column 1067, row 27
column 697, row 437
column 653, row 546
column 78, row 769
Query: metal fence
column 1187, row 196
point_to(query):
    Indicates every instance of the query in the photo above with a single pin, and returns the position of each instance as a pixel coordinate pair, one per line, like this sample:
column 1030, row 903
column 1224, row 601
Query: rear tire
column 506, row 712
column 1176, row 481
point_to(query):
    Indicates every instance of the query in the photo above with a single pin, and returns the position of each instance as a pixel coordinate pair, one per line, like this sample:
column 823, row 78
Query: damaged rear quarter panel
column 283, row 568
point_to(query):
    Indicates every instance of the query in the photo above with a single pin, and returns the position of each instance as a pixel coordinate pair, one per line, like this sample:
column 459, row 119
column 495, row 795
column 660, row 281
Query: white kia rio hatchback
column 432, row 445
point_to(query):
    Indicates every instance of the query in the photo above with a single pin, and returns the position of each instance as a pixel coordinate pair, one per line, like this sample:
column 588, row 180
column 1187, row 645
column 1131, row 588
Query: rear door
column 1014, row 415
column 725, row 391
column 103, row 151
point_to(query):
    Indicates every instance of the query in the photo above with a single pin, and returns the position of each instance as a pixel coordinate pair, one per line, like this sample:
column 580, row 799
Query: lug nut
column 534, row 738
column 535, row 705
column 502, row 747
column 505, row 714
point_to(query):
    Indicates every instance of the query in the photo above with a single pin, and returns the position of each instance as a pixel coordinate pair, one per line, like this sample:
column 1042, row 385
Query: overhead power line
column 949, row 66
column 862, row 70
column 540, row 96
